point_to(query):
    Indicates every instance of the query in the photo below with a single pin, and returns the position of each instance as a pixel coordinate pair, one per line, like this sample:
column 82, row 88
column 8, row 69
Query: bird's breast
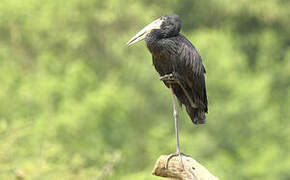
column 162, row 52
column 162, row 64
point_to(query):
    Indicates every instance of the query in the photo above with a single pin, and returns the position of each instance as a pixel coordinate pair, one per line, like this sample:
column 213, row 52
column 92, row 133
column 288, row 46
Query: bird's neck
column 152, row 42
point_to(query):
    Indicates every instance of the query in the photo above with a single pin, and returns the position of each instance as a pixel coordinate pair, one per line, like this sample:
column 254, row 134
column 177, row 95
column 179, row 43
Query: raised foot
column 168, row 78
column 180, row 154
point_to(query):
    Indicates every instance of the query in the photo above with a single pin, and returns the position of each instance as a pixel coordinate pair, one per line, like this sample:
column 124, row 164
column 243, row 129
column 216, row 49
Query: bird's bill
column 146, row 30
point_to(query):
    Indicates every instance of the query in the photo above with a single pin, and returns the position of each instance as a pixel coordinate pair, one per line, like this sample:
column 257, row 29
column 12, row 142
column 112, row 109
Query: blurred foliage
column 77, row 103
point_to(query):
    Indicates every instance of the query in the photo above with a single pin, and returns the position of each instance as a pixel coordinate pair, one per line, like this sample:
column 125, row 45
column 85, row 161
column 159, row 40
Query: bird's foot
column 168, row 78
column 180, row 154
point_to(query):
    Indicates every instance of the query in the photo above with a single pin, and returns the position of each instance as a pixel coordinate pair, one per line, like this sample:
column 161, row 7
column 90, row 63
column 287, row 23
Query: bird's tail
column 197, row 116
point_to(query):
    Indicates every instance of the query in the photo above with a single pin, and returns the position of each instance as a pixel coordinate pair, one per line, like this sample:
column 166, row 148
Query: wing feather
column 188, row 64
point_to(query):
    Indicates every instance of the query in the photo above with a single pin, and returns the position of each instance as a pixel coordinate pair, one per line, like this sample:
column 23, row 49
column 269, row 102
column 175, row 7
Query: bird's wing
column 188, row 65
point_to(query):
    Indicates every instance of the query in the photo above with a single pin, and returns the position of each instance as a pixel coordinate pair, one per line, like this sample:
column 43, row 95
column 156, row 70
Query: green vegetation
column 74, row 96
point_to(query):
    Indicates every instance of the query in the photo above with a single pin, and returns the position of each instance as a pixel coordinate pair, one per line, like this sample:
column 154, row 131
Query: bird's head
column 165, row 26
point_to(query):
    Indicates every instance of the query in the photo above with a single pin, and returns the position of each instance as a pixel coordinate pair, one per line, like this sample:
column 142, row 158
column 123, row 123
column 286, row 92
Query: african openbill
column 179, row 65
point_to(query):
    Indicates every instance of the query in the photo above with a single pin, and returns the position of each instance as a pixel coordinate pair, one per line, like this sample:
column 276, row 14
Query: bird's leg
column 175, row 115
column 169, row 78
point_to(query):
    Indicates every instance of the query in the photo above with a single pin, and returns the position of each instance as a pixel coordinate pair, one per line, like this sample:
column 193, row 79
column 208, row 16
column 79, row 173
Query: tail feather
column 197, row 116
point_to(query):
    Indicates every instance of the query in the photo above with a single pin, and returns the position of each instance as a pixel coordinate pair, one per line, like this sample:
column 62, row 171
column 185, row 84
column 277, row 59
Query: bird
column 180, row 68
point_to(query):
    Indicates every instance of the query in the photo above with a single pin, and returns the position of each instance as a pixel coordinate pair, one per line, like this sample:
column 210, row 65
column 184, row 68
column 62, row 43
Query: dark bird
column 179, row 65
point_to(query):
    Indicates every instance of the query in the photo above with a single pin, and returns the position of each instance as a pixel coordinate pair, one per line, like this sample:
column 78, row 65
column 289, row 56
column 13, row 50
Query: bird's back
column 177, row 56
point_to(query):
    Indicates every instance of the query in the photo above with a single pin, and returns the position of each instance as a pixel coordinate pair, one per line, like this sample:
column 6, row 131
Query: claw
column 183, row 154
column 167, row 77
column 180, row 154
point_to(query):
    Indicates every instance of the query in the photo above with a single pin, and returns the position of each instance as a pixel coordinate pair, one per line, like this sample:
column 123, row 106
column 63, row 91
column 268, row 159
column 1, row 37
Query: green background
column 77, row 103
